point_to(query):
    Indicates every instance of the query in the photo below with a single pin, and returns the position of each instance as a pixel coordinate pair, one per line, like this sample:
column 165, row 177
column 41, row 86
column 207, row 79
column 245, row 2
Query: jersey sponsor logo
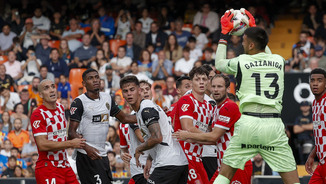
column 60, row 133
column 151, row 181
column 224, row 118
column 36, row 123
column 184, row 107
column 73, row 110
column 100, row 118
column 255, row 146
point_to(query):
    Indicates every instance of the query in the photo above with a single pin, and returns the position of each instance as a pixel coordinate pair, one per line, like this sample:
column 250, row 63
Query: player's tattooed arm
column 155, row 138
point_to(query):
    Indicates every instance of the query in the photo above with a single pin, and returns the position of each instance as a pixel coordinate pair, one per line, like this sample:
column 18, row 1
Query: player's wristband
column 223, row 39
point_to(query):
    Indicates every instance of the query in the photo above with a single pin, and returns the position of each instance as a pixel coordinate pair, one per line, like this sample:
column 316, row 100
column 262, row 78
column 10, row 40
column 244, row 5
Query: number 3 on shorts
column 192, row 174
column 52, row 181
column 98, row 179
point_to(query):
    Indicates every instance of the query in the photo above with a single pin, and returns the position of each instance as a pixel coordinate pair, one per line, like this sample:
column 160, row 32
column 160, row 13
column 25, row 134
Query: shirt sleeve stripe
column 42, row 133
column 223, row 127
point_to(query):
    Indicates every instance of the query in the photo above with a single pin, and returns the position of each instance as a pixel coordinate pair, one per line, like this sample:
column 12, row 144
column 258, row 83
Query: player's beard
column 222, row 98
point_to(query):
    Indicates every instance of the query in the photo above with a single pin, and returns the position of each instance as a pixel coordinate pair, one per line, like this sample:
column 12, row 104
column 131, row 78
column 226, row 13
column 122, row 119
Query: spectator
column 112, row 161
column 185, row 64
column 305, row 46
column 29, row 173
column 28, row 103
column 42, row 49
column 230, row 54
column 6, row 80
column 18, row 137
column 201, row 38
column 132, row 50
column 64, row 89
column 182, row 36
column 16, row 22
column 3, row 135
column 57, row 27
column 8, row 99
column 29, row 149
column 107, row 52
column 170, row 89
column 303, row 128
column 146, row 21
column 319, row 54
column 100, row 63
column 66, row 105
column 312, row 64
column 19, row 113
column 161, row 100
column 260, row 167
column 9, row 172
column 121, row 63
column 190, row 13
column 7, row 124
column 119, row 171
column 44, row 74
column 111, row 80
column 312, row 20
column 57, row 66
column 165, row 20
column 207, row 19
column 18, row 172
column 214, row 47
column 156, row 37
column 208, row 52
column 30, row 67
column 161, row 68
column 151, row 48
column 107, row 23
column 321, row 30
column 6, row 148
column 65, row 53
column 13, row 66
column 3, row 161
column 172, row 49
column 194, row 52
column 140, row 76
column 33, row 161
column 41, row 23
column 33, row 90
column 97, row 36
column 145, row 63
column 72, row 35
column 27, row 33
column 6, row 38
column 236, row 45
column 85, row 54
column 138, row 35
column 124, row 24
column 15, row 152
column 19, row 51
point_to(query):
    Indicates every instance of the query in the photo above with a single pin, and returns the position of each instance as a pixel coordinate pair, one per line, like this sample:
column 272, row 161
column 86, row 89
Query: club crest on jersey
column 107, row 105
column 72, row 110
column 184, row 107
column 36, row 123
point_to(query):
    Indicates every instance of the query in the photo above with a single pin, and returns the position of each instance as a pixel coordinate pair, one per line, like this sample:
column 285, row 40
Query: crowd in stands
column 156, row 41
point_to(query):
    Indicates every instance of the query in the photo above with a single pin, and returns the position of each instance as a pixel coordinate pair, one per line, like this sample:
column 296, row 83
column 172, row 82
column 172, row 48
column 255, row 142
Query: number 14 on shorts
column 50, row 182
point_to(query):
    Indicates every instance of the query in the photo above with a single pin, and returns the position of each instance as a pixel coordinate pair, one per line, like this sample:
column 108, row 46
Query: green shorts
column 266, row 136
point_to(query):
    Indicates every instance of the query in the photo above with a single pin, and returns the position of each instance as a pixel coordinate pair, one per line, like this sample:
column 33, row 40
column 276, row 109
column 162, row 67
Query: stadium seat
column 75, row 80
column 54, row 44
column 3, row 59
column 86, row 29
column 21, row 87
column 115, row 44
column 302, row 171
column 187, row 27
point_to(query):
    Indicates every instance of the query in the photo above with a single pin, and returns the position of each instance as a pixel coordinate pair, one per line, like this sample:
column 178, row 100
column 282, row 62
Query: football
column 240, row 23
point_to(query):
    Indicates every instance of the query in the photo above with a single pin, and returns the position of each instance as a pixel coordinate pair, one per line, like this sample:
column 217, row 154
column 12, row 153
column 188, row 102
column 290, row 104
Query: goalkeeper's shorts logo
column 257, row 146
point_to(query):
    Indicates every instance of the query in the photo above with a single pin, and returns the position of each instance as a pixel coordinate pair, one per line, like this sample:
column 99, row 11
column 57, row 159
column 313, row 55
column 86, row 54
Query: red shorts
column 131, row 181
column 240, row 177
column 196, row 173
column 55, row 175
column 319, row 175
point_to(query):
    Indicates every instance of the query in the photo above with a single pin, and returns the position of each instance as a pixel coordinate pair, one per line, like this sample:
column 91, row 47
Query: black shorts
column 210, row 165
column 139, row 179
column 93, row 171
column 169, row 174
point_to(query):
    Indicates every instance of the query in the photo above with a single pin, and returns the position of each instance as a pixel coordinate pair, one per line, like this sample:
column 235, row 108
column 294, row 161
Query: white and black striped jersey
column 93, row 117
column 169, row 151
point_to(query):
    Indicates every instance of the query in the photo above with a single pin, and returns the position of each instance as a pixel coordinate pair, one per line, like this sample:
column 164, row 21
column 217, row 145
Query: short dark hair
column 14, row 148
column 88, row 71
column 43, row 66
column 191, row 39
column 138, row 22
column 12, row 157
column 258, row 36
column 145, row 82
column 226, row 79
column 318, row 71
column 207, row 67
column 157, row 86
column 186, row 49
column 208, row 49
column 180, row 79
column 198, row 71
column 53, row 49
column 122, row 47
column 129, row 79
column 134, row 62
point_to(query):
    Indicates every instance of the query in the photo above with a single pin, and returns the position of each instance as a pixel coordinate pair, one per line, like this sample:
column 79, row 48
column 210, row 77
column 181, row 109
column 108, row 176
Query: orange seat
column 54, row 44
column 3, row 59
column 75, row 80
column 187, row 27
column 115, row 44
column 86, row 29
column 21, row 87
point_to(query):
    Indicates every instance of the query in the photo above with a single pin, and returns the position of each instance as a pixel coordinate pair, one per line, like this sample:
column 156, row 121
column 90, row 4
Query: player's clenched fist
column 78, row 143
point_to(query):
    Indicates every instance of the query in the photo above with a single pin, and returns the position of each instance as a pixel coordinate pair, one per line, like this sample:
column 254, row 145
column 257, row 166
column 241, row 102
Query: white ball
column 240, row 23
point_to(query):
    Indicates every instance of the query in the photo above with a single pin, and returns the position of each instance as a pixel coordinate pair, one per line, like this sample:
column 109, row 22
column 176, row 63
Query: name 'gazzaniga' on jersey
column 169, row 151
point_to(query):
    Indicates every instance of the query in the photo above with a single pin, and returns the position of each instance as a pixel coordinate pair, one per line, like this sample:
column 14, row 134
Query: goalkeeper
column 260, row 85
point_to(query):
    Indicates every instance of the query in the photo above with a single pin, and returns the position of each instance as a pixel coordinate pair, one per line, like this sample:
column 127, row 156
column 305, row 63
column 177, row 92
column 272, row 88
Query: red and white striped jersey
column 225, row 116
column 319, row 120
column 201, row 113
column 53, row 124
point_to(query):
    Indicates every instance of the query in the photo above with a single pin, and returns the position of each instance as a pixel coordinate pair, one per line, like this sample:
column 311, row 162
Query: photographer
column 30, row 67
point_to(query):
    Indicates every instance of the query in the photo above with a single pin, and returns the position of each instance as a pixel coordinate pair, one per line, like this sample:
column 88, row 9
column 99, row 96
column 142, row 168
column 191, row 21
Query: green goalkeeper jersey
column 260, row 79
